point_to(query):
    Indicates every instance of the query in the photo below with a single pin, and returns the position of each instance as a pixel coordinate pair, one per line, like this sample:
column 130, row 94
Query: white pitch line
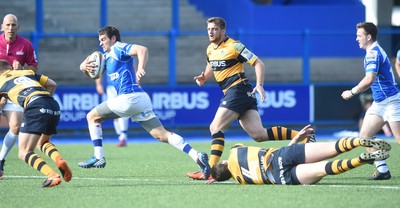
column 119, row 179
column 361, row 186
column 201, row 181
column 94, row 179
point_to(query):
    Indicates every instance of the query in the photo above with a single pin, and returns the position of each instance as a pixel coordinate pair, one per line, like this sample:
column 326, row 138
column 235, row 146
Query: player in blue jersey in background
column 380, row 78
column 397, row 63
column 132, row 101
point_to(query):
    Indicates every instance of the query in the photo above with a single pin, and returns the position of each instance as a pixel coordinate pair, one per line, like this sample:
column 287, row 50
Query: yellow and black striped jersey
column 20, row 85
column 248, row 165
column 227, row 61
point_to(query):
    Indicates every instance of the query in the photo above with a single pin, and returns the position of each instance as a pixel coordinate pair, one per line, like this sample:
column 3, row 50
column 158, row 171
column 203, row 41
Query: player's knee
column 40, row 144
column 22, row 155
column 259, row 137
column 92, row 117
column 15, row 129
column 89, row 117
column 214, row 129
column 211, row 129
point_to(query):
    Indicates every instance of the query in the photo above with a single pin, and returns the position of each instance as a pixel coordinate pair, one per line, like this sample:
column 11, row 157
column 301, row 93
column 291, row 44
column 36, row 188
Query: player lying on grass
column 275, row 133
column 34, row 92
column 295, row 164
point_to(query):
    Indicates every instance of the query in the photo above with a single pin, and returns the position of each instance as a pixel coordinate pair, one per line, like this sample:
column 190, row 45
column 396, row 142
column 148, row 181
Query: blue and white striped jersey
column 119, row 69
column 398, row 55
column 377, row 61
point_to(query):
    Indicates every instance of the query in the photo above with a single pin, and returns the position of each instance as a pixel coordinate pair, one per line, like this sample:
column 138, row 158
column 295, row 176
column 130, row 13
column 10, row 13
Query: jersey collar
column 371, row 46
column 223, row 41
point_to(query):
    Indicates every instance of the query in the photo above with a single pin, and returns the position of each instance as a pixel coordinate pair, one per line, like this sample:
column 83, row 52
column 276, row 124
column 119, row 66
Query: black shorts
column 41, row 116
column 239, row 99
column 284, row 162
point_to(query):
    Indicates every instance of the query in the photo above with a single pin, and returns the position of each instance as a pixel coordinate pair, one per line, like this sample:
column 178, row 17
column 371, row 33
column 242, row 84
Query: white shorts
column 388, row 109
column 10, row 106
column 111, row 92
column 137, row 106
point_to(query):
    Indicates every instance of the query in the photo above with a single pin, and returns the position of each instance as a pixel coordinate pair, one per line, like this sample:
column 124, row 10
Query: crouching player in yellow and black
column 295, row 164
column 41, row 116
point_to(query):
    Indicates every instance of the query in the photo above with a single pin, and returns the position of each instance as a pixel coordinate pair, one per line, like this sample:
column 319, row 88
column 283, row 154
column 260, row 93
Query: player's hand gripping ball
column 98, row 61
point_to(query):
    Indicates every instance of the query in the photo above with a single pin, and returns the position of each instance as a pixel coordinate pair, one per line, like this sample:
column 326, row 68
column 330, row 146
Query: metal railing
column 175, row 32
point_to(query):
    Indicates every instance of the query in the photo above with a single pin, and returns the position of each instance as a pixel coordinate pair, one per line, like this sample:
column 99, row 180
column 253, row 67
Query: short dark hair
column 370, row 28
column 218, row 21
column 4, row 65
column 220, row 172
column 110, row 31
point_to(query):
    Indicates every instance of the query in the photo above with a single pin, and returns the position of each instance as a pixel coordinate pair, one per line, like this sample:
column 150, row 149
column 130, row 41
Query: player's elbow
column 51, row 86
column 142, row 50
column 259, row 64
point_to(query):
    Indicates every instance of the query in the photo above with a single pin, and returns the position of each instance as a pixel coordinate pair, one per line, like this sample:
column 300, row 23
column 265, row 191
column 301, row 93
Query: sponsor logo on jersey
column 247, row 54
column 281, row 171
column 25, row 81
column 239, row 47
column 113, row 76
column 217, row 64
column 223, row 52
column 371, row 56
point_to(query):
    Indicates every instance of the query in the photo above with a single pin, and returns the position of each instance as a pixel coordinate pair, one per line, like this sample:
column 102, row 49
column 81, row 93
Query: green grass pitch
column 154, row 175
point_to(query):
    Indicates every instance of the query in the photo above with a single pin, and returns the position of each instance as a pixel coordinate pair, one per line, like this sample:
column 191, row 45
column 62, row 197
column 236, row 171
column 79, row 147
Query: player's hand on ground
column 200, row 79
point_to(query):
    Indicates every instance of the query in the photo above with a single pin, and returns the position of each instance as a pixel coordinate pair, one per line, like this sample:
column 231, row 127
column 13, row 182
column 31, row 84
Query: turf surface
column 153, row 175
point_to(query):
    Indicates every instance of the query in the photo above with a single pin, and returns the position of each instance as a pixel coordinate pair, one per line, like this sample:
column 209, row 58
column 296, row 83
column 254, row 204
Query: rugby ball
column 99, row 61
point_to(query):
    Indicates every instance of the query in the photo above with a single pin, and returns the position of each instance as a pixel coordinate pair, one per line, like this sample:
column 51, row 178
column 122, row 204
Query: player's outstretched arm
column 307, row 131
column 202, row 78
